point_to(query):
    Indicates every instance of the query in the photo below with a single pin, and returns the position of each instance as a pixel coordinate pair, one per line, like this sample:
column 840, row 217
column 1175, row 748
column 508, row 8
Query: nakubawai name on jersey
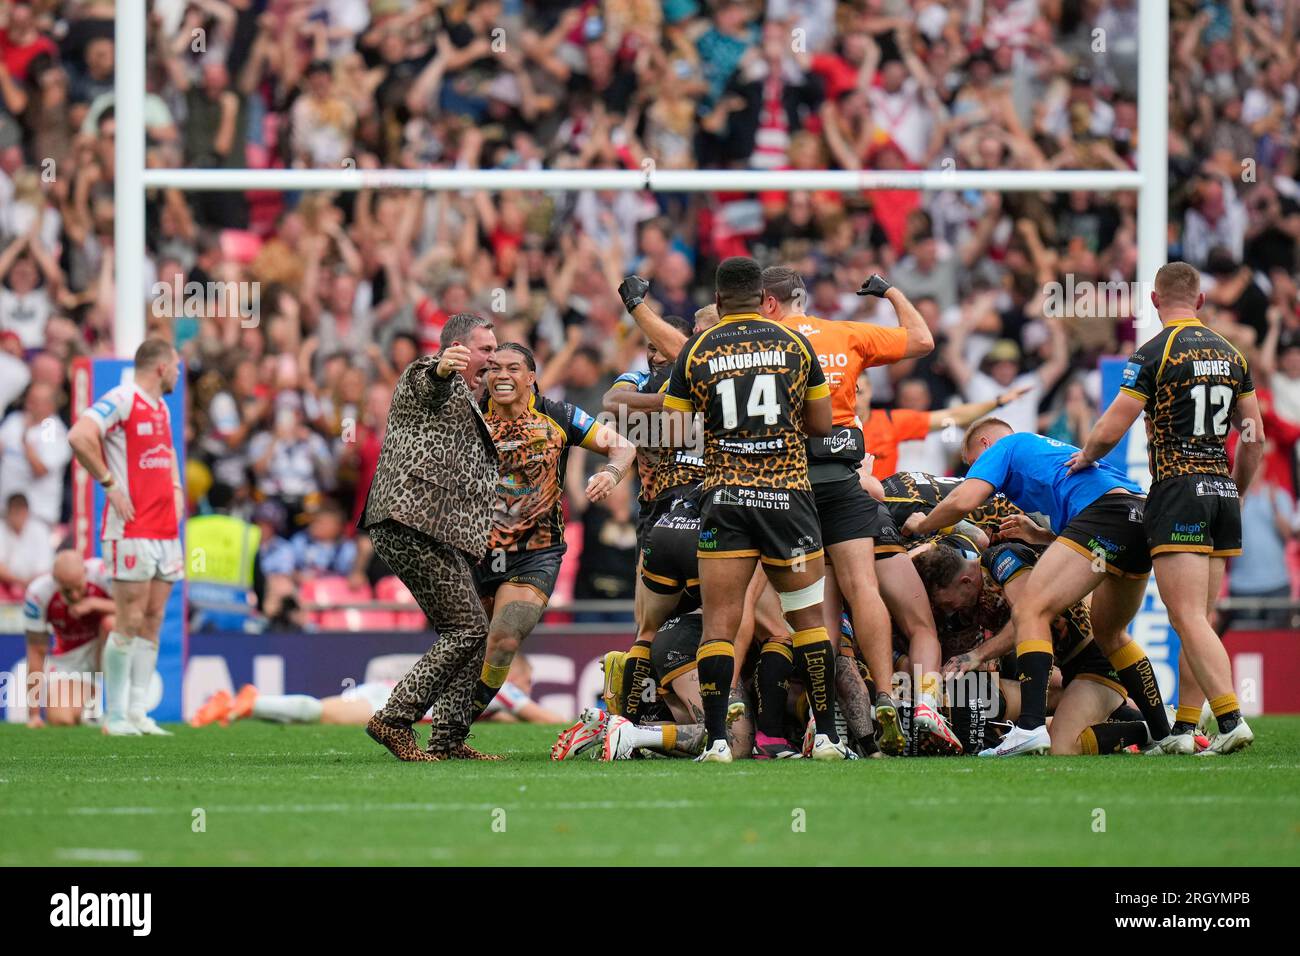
column 749, row 378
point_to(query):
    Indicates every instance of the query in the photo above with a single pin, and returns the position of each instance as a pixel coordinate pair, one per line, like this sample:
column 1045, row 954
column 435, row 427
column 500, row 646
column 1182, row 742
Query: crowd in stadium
column 287, row 400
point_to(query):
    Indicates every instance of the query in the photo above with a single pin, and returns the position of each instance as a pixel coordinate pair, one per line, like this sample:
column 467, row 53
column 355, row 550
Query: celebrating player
column 532, row 435
column 1096, row 546
column 849, row 517
column 142, row 548
column 761, row 392
column 71, row 602
column 1192, row 383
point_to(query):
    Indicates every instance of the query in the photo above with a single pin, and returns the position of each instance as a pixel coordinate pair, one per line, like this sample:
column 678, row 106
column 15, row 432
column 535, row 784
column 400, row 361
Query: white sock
column 288, row 708
column 117, row 675
column 144, row 661
column 647, row 736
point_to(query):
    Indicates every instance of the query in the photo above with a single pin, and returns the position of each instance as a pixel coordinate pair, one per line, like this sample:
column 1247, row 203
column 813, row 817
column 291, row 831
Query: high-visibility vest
column 221, row 550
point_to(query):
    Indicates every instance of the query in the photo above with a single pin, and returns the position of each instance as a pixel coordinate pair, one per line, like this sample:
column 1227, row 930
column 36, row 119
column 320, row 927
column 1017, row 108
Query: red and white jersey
column 138, row 448
column 46, row 610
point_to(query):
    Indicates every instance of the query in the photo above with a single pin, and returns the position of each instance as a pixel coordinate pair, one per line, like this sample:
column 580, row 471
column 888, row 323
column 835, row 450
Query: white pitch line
column 86, row 854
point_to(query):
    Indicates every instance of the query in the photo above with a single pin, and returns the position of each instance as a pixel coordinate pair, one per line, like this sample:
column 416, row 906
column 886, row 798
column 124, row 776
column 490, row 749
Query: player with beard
column 124, row 440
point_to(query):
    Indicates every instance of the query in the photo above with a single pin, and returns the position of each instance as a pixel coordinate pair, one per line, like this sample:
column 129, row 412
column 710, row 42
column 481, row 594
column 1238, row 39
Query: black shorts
column 657, row 507
column 1197, row 513
column 1112, row 528
column 1091, row 664
column 778, row 526
column 668, row 561
column 846, row 512
column 530, row 569
column 672, row 653
column 889, row 540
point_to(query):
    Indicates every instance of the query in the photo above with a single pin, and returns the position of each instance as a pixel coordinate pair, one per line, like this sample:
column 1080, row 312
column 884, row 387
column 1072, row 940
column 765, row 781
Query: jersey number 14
column 1220, row 400
column 762, row 401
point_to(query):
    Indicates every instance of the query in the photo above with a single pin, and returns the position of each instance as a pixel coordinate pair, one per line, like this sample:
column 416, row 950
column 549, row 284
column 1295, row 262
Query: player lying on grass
column 356, row 705
column 1096, row 546
column 67, row 614
column 986, row 591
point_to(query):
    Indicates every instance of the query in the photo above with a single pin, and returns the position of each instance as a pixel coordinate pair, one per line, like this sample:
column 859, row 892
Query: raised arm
column 667, row 340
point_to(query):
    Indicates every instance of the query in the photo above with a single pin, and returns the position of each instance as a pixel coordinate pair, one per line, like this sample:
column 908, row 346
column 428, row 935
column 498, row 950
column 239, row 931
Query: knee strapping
column 804, row 597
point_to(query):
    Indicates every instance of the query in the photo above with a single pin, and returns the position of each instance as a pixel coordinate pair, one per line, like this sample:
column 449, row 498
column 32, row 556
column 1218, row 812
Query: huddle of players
column 1012, row 610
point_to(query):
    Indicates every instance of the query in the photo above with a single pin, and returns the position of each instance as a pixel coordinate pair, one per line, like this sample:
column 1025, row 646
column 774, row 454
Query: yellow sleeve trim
column 818, row 391
column 1134, row 392
column 676, row 404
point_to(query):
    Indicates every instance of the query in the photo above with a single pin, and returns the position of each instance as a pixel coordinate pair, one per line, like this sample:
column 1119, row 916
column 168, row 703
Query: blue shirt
column 1262, row 567
column 1030, row 470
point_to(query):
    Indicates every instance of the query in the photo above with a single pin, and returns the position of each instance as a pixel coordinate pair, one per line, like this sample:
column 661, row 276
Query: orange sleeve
column 879, row 345
column 910, row 425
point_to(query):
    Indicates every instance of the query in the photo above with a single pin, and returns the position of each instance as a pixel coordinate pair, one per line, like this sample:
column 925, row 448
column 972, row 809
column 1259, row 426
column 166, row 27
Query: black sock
column 1182, row 727
column 1125, row 712
column 1135, row 673
column 772, row 684
column 488, row 686
column 716, row 662
column 636, row 672
column 1034, row 666
column 816, row 662
column 1112, row 738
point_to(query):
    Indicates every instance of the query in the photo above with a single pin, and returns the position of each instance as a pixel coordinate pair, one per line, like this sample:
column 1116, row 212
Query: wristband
column 107, row 481
column 614, row 471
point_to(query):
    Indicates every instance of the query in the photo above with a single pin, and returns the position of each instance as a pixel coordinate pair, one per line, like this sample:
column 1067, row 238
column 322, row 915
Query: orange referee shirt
column 844, row 349
column 884, row 429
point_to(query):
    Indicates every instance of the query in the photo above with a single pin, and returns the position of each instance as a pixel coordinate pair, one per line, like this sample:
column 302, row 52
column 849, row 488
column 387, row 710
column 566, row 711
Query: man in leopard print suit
column 429, row 513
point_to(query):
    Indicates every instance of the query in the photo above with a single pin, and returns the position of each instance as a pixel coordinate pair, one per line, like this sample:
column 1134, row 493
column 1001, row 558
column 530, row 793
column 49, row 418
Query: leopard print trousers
column 440, row 579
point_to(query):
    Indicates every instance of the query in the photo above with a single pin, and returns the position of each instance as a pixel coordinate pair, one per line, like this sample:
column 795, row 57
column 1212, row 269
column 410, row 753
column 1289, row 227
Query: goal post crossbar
column 660, row 181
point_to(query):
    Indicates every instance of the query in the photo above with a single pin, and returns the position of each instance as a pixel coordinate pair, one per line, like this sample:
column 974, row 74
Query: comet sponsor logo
column 159, row 456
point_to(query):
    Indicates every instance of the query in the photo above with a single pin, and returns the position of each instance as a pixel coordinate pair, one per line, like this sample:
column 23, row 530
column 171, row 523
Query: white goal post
column 1150, row 179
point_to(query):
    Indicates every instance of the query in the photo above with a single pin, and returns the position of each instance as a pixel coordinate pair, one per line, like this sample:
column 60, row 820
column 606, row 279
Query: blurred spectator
column 34, row 455
column 1268, row 524
column 25, row 548
column 286, row 402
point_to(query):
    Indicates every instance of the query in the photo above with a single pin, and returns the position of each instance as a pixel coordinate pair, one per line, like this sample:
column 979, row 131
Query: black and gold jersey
column 907, row 492
column 1189, row 378
column 749, row 378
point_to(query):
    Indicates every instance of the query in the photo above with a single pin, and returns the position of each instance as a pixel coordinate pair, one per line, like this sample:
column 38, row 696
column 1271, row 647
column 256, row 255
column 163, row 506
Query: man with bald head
column 67, row 613
column 34, row 454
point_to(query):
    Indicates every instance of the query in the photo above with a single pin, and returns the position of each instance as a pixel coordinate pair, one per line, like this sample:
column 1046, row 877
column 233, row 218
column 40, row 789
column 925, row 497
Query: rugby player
column 1194, row 386
column 986, row 591
column 669, row 475
column 356, row 705
column 532, row 435
column 761, row 391
column 124, row 440
column 70, row 603
column 849, row 517
column 1096, row 545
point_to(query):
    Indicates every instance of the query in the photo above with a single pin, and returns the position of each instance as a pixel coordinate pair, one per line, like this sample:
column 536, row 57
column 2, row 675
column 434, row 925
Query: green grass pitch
column 328, row 795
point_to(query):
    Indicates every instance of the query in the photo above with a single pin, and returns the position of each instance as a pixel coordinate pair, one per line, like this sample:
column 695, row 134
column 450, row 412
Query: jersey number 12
column 762, row 401
column 1220, row 397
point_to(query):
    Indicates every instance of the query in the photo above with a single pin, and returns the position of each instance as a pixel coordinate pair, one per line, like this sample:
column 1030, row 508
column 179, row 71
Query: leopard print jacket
column 437, row 471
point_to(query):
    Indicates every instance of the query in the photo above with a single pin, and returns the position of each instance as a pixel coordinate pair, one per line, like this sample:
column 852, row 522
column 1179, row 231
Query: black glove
column 877, row 285
column 632, row 291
